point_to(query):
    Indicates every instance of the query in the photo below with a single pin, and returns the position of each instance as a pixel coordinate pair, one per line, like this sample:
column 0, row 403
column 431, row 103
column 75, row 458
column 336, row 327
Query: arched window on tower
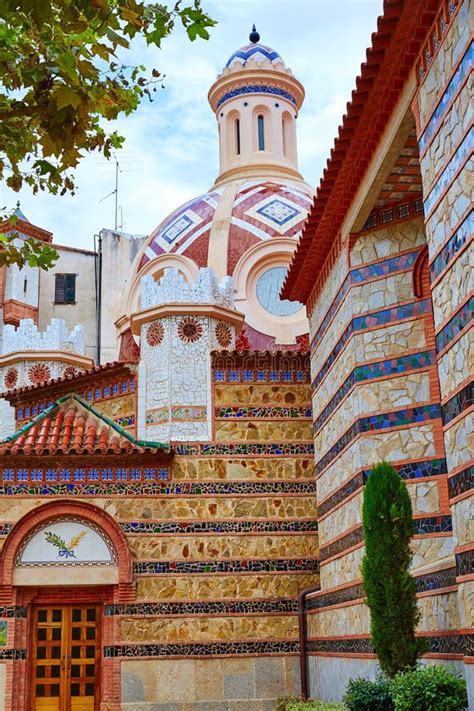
column 285, row 134
column 261, row 132
column 237, row 136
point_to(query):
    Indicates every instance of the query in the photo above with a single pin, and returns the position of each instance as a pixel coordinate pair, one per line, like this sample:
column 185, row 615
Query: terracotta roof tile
column 72, row 426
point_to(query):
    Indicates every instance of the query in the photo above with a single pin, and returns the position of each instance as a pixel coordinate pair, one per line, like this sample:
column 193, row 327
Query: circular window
column 268, row 293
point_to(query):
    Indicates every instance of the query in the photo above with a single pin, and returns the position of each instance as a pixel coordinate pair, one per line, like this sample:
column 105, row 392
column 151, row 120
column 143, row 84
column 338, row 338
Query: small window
column 65, row 289
column 261, row 132
column 237, row 136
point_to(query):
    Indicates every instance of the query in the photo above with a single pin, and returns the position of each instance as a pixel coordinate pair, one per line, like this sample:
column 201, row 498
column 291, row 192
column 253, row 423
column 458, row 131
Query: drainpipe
column 302, row 630
column 98, row 292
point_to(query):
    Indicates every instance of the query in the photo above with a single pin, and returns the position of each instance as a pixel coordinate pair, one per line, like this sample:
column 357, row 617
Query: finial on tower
column 254, row 37
column 17, row 204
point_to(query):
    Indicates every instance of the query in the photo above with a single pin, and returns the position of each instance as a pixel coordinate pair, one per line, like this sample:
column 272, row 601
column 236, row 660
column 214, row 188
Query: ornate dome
column 238, row 217
column 256, row 51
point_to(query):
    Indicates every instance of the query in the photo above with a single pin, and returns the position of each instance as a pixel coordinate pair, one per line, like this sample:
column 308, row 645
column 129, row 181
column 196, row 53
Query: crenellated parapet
column 173, row 288
column 29, row 356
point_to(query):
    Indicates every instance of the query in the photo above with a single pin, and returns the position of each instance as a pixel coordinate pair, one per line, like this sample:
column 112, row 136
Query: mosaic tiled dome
column 256, row 51
column 259, row 211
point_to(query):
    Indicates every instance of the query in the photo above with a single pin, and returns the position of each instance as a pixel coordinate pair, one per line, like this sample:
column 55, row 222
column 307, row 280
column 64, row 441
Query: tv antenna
column 115, row 191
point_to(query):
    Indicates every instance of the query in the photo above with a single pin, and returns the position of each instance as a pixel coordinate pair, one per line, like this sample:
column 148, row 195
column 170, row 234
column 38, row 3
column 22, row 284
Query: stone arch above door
column 67, row 544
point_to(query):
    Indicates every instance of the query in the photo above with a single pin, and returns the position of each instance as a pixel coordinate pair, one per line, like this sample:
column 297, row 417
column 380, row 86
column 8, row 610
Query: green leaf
column 65, row 96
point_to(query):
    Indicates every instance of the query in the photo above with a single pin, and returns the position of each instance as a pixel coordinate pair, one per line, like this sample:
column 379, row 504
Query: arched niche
column 66, row 544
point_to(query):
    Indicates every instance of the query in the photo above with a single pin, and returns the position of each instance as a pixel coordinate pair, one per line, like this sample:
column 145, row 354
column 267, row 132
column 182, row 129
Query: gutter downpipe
column 302, row 638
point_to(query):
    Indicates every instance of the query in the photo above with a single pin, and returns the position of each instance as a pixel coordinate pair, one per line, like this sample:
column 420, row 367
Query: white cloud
column 171, row 151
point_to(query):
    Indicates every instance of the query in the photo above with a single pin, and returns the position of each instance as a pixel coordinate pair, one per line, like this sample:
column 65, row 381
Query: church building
column 187, row 419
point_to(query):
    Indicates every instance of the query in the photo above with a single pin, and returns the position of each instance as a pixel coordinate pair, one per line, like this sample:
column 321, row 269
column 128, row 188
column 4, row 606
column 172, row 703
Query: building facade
column 385, row 267
column 182, row 472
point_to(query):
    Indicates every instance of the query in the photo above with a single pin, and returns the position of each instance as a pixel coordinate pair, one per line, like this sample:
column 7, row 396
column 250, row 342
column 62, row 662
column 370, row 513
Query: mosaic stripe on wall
column 377, row 318
column 398, row 418
column 225, row 566
column 447, row 176
column 453, row 246
column 455, row 325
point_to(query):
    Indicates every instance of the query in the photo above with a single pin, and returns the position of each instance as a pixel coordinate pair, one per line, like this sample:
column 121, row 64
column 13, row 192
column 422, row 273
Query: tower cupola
column 256, row 100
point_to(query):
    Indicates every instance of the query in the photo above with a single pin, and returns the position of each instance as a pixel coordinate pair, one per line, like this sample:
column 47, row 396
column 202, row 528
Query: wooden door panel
column 65, row 658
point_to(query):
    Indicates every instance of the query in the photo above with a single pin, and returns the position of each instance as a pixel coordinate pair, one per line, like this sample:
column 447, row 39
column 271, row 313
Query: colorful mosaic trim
column 458, row 322
column 261, row 376
column 385, row 215
column 13, row 654
column 448, row 174
column 270, row 413
column 359, row 276
column 465, row 563
column 438, row 32
column 5, row 528
column 256, row 449
column 376, row 319
column 340, row 646
column 202, row 649
column 185, row 567
column 412, row 470
column 442, row 644
column 457, row 79
column 125, row 420
column 458, row 403
column 13, row 611
column 105, row 392
column 178, row 414
column 431, row 581
column 197, row 527
column 256, row 89
column 453, row 246
column 435, row 581
column 370, row 371
column 461, row 482
column 220, row 607
column 373, row 423
column 422, row 526
column 84, row 474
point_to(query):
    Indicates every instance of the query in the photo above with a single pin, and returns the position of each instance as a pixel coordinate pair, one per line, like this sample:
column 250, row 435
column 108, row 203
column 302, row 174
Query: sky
column 171, row 153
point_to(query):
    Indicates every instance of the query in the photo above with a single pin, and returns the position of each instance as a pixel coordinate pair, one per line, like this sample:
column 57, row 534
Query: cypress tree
column 388, row 585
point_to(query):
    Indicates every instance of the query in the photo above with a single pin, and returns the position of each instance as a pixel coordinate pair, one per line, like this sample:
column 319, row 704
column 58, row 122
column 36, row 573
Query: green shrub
column 432, row 688
column 366, row 695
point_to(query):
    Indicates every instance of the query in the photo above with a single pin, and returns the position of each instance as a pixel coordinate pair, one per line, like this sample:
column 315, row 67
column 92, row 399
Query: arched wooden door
column 65, row 658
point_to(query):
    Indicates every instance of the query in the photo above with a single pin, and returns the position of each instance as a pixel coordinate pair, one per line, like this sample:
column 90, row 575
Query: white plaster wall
column 15, row 284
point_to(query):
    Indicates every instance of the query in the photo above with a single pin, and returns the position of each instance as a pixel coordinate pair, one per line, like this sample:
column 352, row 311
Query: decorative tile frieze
column 263, row 412
column 185, row 567
column 452, row 247
column 377, row 318
column 187, row 527
column 261, row 376
column 81, row 476
column 465, row 563
column 372, row 423
column 210, row 649
column 382, row 216
column 457, row 79
column 447, row 176
column 459, row 321
column 461, row 482
column 255, row 89
column 360, row 275
column 110, row 390
column 219, row 607
column 382, row 369
column 458, row 403
column 290, row 449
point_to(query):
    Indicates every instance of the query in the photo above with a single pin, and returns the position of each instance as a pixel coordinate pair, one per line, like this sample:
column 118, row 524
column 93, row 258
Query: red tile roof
column 72, row 426
column 401, row 32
